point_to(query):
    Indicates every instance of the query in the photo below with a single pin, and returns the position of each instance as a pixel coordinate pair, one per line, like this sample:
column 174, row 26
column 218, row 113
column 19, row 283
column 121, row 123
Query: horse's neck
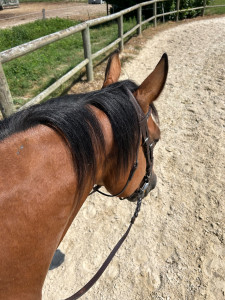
column 103, row 161
column 38, row 163
column 37, row 151
column 42, row 153
column 38, row 188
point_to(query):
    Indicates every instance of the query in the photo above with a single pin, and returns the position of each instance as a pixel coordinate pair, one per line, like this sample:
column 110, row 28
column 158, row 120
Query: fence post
column 6, row 102
column 203, row 10
column 87, row 52
column 178, row 8
column 163, row 13
column 120, row 31
column 43, row 14
column 155, row 13
column 139, row 19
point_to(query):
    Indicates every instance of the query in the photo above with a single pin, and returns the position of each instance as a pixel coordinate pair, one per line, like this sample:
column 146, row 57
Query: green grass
column 24, row 33
column 103, row 35
column 29, row 75
column 216, row 10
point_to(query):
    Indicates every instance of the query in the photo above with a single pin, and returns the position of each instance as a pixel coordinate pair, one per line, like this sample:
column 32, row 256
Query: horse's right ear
column 153, row 85
column 113, row 69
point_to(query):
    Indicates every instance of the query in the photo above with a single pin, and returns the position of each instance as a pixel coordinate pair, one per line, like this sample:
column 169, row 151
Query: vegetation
column 30, row 74
column 169, row 5
column 82, row 1
column 216, row 10
column 185, row 4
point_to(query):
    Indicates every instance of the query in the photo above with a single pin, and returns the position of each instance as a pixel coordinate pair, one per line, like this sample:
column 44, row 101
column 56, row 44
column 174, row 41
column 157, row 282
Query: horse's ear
column 113, row 69
column 153, row 85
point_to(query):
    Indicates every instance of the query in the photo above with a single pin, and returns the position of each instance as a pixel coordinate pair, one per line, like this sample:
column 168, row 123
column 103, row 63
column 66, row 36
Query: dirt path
column 28, row 12
column 176, row 248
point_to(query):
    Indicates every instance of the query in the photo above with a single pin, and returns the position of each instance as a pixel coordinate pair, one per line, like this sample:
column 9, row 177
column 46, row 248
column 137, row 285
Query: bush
column 169, row 5
column 118, row 5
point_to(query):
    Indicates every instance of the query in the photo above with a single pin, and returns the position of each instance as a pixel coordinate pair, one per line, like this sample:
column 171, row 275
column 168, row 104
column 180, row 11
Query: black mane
column 72, row 116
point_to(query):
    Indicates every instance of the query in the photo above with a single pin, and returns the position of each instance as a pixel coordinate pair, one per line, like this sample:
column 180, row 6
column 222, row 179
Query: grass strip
column 29, row 75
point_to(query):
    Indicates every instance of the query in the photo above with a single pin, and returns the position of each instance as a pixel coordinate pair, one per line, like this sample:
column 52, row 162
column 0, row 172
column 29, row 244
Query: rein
column 93, row 280
column 138, row 195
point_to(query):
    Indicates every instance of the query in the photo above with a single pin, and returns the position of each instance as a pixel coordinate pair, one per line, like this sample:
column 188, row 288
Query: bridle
column 139, row 193
column 148, row 147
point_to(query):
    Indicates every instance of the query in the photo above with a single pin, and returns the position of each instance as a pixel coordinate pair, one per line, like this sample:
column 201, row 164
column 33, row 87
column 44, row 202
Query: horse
column 53, row 154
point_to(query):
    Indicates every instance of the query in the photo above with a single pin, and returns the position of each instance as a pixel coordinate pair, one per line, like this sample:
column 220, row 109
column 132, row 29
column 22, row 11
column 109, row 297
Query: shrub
column 169, row 5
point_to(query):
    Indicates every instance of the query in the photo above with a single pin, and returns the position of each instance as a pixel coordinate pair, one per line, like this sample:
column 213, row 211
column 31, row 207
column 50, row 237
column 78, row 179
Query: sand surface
column 176, row 248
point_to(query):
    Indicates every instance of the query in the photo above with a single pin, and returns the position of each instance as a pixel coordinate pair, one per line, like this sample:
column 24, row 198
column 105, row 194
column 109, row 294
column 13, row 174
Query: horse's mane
column 71, row 115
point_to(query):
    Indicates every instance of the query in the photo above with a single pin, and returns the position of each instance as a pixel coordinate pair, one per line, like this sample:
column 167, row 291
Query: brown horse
column 51, row 156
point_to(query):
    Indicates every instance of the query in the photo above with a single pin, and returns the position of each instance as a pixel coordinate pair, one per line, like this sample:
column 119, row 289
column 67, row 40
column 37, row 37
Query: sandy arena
column 176, row 248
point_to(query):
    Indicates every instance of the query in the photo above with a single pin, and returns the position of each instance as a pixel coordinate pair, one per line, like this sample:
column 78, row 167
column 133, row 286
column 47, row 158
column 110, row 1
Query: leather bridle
column 139, row 193
column 148, row 147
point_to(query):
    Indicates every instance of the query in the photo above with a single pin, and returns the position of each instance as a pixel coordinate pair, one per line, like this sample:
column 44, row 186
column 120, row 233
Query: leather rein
column 138, row 195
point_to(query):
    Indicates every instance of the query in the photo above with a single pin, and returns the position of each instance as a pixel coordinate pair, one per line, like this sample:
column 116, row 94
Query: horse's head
column 139, row 176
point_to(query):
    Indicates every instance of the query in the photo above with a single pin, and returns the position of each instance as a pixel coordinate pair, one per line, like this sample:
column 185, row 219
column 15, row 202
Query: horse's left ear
column 153, row 85
column 113, row 69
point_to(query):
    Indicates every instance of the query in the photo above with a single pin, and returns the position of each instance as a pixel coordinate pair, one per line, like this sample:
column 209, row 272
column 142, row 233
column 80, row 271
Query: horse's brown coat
column 38, row 192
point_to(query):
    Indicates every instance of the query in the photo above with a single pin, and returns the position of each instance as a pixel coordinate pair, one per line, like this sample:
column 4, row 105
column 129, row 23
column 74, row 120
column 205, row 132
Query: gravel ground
column 176, row 248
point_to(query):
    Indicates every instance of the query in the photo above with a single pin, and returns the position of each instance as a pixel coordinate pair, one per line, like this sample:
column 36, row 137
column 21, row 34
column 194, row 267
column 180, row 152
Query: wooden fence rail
column 6, row 103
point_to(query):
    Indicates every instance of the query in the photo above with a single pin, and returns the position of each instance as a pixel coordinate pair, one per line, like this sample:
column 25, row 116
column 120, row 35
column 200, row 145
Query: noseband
column 147, row 146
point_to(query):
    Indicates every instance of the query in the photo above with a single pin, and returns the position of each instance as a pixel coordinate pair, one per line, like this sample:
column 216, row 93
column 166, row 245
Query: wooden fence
column 6, row 102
